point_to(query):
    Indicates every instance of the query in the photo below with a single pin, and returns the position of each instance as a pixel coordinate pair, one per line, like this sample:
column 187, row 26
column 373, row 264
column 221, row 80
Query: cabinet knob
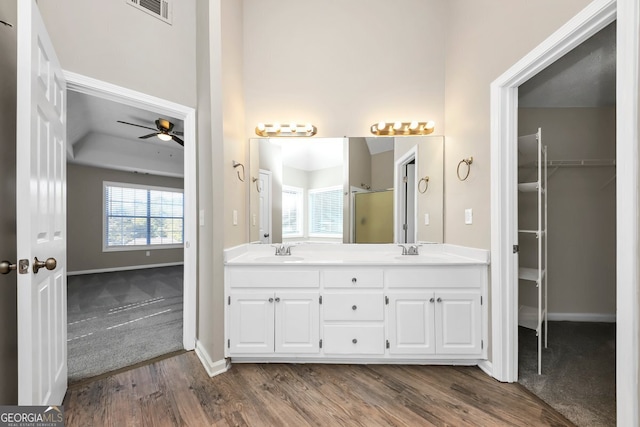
column 277, row 299
column 355, row 341
column 439, row 300
column 270, row 299
column 431, row 300
column 354, row 280
column 354, row 307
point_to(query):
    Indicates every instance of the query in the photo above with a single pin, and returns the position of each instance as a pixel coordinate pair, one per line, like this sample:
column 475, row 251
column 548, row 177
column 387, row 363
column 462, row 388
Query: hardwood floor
column 178, row 392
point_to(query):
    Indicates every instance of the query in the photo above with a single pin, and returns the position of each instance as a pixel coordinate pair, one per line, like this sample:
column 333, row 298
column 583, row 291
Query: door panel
column 297, row 322
column 411, row 323
column 458, row 323
column 251, row 322
column 41, row 212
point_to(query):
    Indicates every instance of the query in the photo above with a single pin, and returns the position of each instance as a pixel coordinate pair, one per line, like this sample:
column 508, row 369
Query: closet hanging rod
column 575, row 163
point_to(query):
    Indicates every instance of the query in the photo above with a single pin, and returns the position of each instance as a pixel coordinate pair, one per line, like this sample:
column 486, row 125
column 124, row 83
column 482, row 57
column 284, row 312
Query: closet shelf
column 528, row 318
column 536, row 232
column 528, row 144
column 529, row 187
column 531, row 274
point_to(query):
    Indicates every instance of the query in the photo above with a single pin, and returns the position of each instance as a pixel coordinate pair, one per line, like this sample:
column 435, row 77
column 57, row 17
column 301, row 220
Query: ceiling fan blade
column 148, row 136
column 178, row 133
column 178, row 140
column 133, row 124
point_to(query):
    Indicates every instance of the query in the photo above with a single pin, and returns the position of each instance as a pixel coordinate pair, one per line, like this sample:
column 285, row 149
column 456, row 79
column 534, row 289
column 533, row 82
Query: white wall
column 581, row 210
column 8, row 302
column 344, row 65
column 119, row 44
column 483, row 39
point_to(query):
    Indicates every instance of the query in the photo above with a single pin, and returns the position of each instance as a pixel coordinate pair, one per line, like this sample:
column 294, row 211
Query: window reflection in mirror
column 347, row 190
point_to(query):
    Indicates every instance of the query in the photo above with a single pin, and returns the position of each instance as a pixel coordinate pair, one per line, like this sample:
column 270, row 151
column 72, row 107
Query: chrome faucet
column 282, row 250
column 410, row 250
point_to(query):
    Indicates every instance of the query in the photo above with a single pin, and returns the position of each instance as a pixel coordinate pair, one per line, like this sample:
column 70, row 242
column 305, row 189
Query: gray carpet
column 123, row 318
column 578, row 370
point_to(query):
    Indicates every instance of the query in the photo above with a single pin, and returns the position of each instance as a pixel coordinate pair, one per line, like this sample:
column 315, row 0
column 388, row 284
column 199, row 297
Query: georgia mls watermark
column 31, row 416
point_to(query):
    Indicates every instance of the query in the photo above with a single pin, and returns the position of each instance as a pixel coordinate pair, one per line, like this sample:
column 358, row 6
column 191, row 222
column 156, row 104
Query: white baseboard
column 583, row 317
column 126, row 268
column 487, row 367
column 212, row 368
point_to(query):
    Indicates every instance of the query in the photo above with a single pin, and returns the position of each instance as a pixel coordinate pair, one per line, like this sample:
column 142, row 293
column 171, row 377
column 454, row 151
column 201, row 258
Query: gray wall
column 382, row 166
column 8, row 319
column 84, row 220
column 581, row 210
column 359, row 163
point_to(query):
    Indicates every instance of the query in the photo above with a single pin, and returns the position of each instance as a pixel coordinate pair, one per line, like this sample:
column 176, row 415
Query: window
column 325, row 212
column 292, row 218
column 138, row 217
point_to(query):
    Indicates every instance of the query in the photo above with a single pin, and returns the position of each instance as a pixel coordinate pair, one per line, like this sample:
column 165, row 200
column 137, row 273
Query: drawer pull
column 439, row 300
column 270, row 299
column 355, row 341
column 431, row 300
column 355, row 307
column 354, row 280
column 277, row 299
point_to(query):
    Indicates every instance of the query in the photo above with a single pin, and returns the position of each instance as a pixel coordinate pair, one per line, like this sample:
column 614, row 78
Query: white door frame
column 400, row 195
column 267, row 183
column 504, row 115
column 90, row 86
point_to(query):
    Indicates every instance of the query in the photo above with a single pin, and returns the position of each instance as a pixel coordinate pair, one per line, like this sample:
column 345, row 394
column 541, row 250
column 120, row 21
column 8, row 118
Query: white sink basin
column 278, row 258
column 423, row 258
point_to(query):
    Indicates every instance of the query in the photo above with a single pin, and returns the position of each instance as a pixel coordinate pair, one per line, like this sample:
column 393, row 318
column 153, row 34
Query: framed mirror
column 346, row 190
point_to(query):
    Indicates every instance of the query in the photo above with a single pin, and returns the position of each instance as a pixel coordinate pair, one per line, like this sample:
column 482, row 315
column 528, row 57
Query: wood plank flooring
column 178, row 392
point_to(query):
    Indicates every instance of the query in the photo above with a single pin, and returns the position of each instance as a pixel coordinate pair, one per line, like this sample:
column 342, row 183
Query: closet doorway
column 573, row 101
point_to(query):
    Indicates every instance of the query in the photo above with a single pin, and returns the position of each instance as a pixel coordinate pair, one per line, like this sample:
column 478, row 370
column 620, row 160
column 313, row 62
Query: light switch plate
column 468, row 216
column 201, row 217
column 235, row 217
column 426, row 219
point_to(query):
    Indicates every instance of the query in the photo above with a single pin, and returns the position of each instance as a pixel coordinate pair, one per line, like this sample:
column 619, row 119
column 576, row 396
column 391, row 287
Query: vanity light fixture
column 403, row 128
column 292, row 129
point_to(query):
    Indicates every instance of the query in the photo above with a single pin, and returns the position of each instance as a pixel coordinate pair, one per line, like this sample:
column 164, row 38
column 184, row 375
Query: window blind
column 325, row 212
column 292, row 211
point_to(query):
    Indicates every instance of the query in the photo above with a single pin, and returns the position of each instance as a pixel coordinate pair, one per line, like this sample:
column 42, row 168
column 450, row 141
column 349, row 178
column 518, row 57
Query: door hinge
column 320, row 343
column 405, row 179
column 229, row 300
column 404, row 227
column 480, row 299
column 387, row 343
column 228, row 343
column 516, row 249
column 481, row 344
column 386, row 300
column 320, row 299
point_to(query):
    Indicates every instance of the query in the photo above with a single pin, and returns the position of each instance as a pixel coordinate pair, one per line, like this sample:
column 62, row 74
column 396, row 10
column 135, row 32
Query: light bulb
column 261, row 127
column 413, row 125
column 275, row 127
column 293, row 128
column 164, row 137
column 430, row 125
column 309, row 127
column 381, row 126
column 397, row 125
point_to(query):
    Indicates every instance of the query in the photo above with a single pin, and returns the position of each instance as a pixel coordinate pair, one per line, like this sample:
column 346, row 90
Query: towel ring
column 257, row 184
column 235, row 165
column 468, row 163
column 426, row 184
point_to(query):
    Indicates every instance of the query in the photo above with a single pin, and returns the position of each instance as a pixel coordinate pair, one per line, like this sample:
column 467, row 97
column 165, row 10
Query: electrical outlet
column 201, row 217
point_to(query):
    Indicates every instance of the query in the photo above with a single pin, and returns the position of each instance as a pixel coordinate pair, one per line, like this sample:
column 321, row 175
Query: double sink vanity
column 356, row 303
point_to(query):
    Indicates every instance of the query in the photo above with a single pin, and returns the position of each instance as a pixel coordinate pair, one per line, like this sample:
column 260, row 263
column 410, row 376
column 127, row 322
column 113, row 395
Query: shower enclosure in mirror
column 351, row 190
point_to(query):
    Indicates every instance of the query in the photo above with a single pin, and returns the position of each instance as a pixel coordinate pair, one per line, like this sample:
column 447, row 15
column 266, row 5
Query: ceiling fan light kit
column 164, row 131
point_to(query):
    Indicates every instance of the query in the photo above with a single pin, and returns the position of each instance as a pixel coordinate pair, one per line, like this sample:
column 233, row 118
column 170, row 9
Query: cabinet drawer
column 352, row 278
column 277, row 277
column 353, row 306
column 440, row 276
column 366, row 339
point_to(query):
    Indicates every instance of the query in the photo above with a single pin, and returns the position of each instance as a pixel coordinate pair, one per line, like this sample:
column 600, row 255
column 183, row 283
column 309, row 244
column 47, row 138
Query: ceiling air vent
column 161, row 9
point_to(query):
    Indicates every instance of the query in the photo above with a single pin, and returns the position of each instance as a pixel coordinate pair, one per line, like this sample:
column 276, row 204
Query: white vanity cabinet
column 264, row 319
column 327, row 306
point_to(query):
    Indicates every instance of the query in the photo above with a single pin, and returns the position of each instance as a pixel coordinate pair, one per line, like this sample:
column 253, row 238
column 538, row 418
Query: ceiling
column 310, row 154
column 95, row 138
column 584, row 77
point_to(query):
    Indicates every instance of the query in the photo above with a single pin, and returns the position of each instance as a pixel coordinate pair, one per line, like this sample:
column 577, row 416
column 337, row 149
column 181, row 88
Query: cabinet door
column 297, row 322
column 458, row 323
column 411, row 328
column 251, row 316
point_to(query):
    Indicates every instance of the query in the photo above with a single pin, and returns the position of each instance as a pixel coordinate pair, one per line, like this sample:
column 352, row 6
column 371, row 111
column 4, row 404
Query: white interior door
column 41, row 214
column 265, row 206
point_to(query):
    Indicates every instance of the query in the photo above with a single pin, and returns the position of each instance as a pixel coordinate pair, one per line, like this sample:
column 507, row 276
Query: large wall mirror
column 347, row 190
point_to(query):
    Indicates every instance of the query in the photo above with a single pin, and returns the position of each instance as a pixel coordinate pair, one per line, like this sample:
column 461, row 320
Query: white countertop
column 355, row 254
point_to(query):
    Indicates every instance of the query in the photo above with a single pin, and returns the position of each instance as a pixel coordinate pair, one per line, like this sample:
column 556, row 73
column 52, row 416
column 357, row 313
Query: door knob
column 6, row 267
column 49, row 264
column 266, row 234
